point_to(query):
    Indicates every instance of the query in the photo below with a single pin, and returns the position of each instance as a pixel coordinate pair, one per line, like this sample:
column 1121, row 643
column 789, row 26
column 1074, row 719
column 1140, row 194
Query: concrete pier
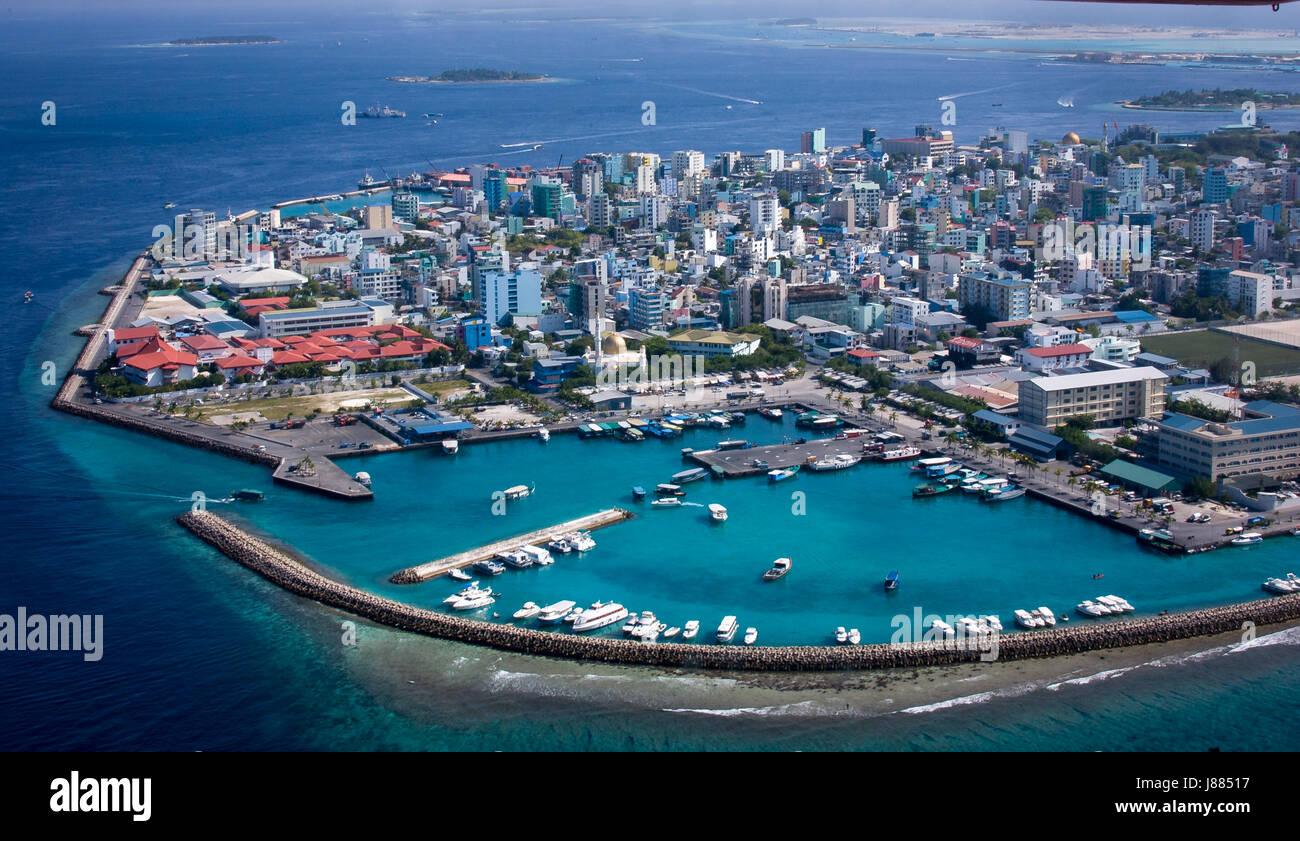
column 732, row 464
column 281, row 569
column 432, row 569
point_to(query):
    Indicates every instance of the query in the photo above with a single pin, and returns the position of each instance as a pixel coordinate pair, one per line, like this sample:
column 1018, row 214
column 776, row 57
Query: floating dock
column 432, row 569
column 733, row 464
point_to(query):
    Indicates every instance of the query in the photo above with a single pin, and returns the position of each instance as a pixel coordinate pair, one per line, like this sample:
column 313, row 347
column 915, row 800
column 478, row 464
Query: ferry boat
column 900, row 454
column 690, row 629
column 667, row 502
column 451, row 446
column 779, row 568
column 932, row 490
column 519, row 491
column 528, row 611
column 751, row 636
column 781, row 474
column 600, row 617
column 1248, row 539
column 692, row 475
column 891, row 580
column 836, row 462
column 717, row 512
column 553, row 614
column 667, row 489
column 727, row 630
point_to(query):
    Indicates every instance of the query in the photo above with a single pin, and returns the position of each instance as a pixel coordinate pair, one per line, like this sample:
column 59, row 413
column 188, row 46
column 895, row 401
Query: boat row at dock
column 946, row 475
column 669, row 426
column 521, row 557
column 645, row 627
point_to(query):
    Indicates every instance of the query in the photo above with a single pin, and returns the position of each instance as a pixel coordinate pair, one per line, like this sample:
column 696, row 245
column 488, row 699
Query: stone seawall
column 281, row 569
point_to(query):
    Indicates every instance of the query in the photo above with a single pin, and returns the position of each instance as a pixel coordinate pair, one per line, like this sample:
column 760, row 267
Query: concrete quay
column 733, row 464
column 432, row 569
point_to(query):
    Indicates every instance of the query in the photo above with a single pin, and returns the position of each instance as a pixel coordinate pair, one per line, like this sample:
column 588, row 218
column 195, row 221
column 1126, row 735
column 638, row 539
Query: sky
column 1032, row 10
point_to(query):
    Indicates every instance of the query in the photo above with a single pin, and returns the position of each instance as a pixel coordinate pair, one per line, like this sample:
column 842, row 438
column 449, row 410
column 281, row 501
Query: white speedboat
column 581, row 541
column 553, row 614
column 1090, row 608
column 841, row 635
column 1025, row 620
column 528, row 611
column 1047, row 616
column 690, row 629
column 992, row 621
column 629, row 628
column 544, row 434
column 451, row 446
column 537, row 555
column 1248, row 539
column 751, row 636
column 727, row 629
column 460, row 575
column 717, row 512
column 943, row 628
column 600, row 617
column 669, row 633
column 469, row 591
column 855, row 636
column 1279, row 586
column 667, row 502
column 477, row 603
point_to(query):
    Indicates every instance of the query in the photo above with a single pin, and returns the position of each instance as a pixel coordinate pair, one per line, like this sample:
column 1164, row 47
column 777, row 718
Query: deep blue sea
column 200, row 654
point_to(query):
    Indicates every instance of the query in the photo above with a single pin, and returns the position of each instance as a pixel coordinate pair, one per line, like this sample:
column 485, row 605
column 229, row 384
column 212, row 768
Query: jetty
column 734, row 464
column 432, row 569
column 279, row 568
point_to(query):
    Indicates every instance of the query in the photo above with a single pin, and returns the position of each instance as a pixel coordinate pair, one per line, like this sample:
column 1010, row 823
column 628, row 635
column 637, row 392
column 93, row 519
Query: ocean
column 201, row 655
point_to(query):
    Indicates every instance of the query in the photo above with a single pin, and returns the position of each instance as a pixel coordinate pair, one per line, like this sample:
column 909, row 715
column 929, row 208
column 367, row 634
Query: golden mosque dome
column 1071, row 139
column 613, row 344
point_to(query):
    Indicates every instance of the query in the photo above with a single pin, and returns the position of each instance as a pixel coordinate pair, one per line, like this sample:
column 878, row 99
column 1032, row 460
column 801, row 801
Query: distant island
column 1213, row 100
column 796, row 22
column 222, row 40
column 478, row 74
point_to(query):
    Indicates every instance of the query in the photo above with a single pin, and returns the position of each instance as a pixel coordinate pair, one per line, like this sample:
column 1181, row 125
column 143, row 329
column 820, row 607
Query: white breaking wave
column 797, row 708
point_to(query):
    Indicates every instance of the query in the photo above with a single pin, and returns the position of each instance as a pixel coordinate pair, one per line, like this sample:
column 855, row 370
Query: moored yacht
column 450, row 446
column 600, row 617
column 581, row 541
column 841, row 635
column 727, row 629
column 690, row 629
column 558, row 543
column 536, row 555
column 460, row 575
column 553, row 614
column 528, row 611
column 855, row 636
column 475, row 602
column 751, row 636
column 779, row 568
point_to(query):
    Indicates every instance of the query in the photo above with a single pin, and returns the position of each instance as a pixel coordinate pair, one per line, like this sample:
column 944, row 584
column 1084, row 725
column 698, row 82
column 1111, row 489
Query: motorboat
column 751, row 636
column 460, row 575
column 781, row 474
column 362, row 478
column 544, row 434
column 553, row 614
column 488, row 566
column 1092, row 609
column 941, row 627
column 669, row 633
column 599, row 617
column 667, row 502
column 900, row 454
column 690, row 629
column 1280, row 586
column 691, row 475
column 779, row 568
column 1047, row 616
column 717, row 512
column 467, row 592
column 638, row 492
column 629, row 628
column 581, row 541
column 992, row 621
column 727, row 629
column 528, row 611
column 536, row 555
column 1116, row 604
column 841, row 635
column 477, row 602
column 514, row 559
column 519, row 491
column 1248, row 539
column 1026, row 620
column 451, row 446
column 891, row 580
column 573, row 616
column 836, row 462
column 855, row 636
column 558, row 543
column 667, row 489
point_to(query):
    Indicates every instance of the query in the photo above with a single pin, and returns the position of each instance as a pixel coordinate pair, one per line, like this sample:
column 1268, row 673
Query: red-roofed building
column 863, row 356
column 206, row 348
column 127, row 336
column 238, row 365
column 1040, row 359
column 164, row 365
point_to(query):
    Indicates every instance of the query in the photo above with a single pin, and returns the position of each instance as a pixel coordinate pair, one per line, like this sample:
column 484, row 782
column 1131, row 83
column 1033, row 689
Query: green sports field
column 1202, row 348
